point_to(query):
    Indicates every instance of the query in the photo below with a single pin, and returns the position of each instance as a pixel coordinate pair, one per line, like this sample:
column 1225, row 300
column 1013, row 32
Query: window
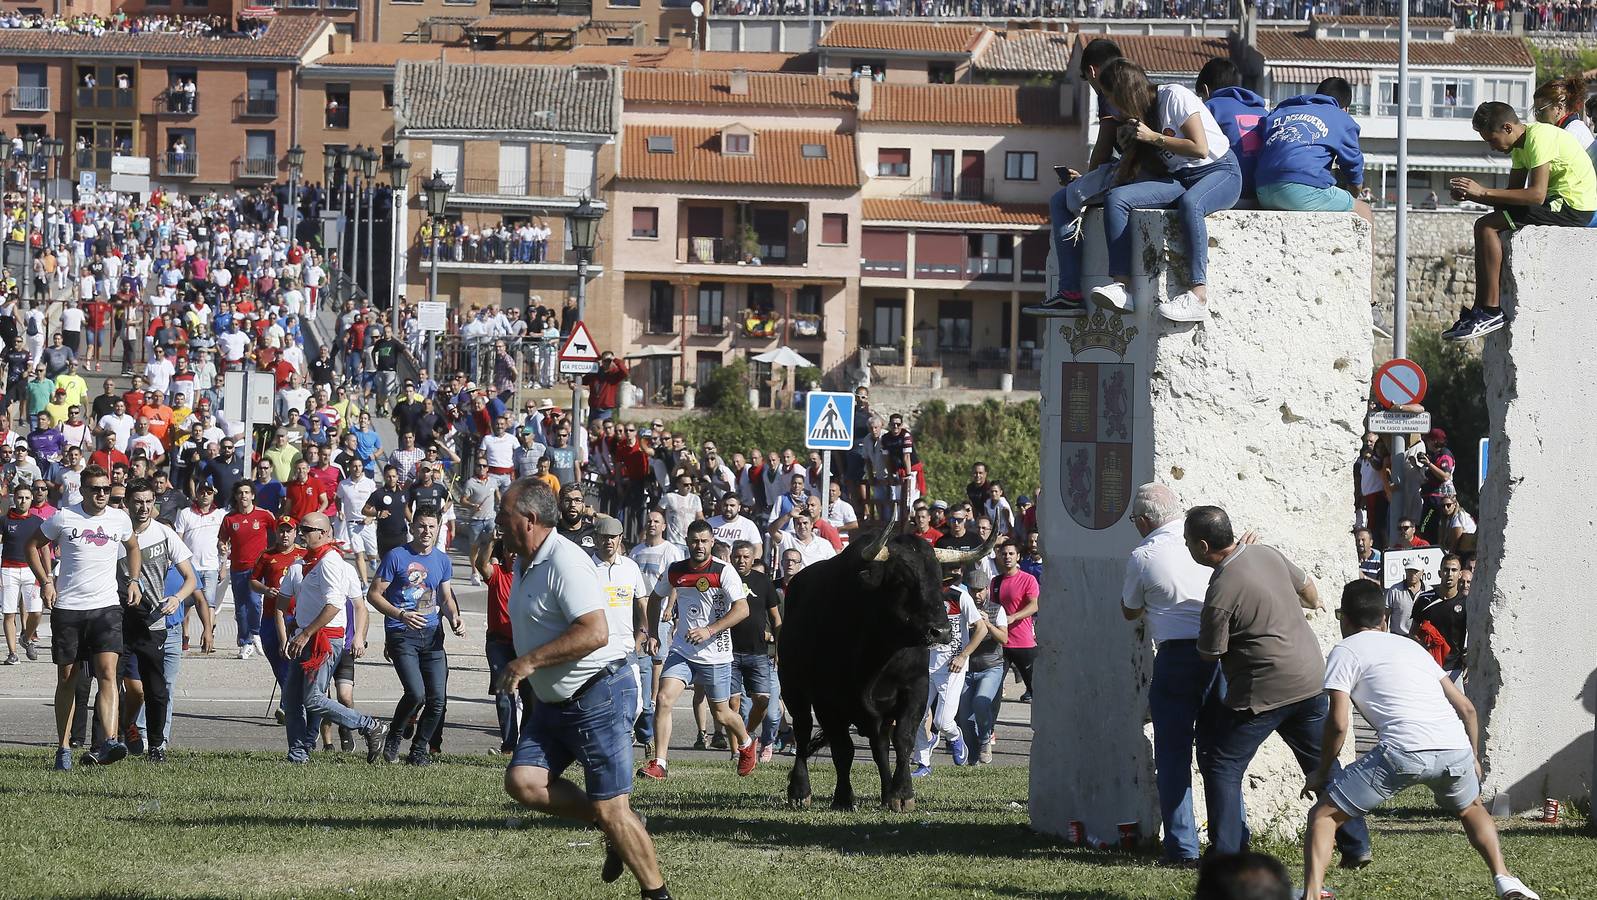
column 662, row 143
column 1452, row 98
column 388, row 96
column 631, row 4
column 1387, row 97
column 662, row 308
column 705, row 364
column 874, row 68
column 1020, row 165
column 347, row 29
column 515, row 290
column 1512, row 91
column 712, row 305
column 179, row 159
column 990, row 257
column 939, row 73
column 337, row 108
column 953, row 324
column 737, row 143
column 834, row 228
column 809, row 301
column 813, row 151
column 889, row 321
column 32, row 91
column 892, row 163
column 260, row 96
column 645, row 221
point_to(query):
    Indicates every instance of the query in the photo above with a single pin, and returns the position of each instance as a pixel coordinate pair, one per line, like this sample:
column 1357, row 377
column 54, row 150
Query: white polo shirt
column 330, row 583
column 558, row 586
column 1164, row 579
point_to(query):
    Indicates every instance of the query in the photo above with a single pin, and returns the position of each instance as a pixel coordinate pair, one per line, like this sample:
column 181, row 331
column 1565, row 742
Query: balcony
column 498, row 256
column 343, row 4
column 175, row 102
column 506, row 191
column 30, row 99
column 806, row 326
column 262, row 104
column 884, row 268
column 304, row 4
column 715, row 251
column 255, row 167
column 990, row 268
column 178, row 165
column 968, row 189
column 104, row 100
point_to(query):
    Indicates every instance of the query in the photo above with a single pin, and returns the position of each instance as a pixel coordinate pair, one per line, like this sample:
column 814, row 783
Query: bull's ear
column 871, row 576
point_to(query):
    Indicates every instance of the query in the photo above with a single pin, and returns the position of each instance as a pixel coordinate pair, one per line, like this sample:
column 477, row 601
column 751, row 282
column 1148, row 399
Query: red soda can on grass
column 1550, row 808
column 1076, row 833
column 1128, row 836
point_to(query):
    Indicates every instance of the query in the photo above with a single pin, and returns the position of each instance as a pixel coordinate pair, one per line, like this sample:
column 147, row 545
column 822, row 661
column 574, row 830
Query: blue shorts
column 715, row 678
column 751, row 674
column 594, row 730
column 1380, row 774
column 1304, row 198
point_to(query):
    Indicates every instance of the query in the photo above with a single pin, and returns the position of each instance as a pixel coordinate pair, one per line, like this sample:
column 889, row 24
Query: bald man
column 320, row 583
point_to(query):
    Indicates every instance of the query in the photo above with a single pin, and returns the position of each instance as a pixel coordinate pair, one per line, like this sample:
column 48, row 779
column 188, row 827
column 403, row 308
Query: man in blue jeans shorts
column 1426, row 734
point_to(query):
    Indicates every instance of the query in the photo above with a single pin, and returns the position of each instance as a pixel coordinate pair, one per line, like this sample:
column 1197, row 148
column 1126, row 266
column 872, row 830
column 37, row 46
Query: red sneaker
column 655, row 769
column 748, row 758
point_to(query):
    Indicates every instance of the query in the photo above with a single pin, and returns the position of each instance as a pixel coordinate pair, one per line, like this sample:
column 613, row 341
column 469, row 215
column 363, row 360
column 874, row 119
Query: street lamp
column 436, row 190
column 54, row 148
column 296, row 162
column 398, row 173
column 352, row 160
column 368, row 167
column 30, row 146
column 582, row 224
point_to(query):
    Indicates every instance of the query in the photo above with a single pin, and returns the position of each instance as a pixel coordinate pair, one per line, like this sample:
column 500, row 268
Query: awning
column 654, row 353
column 1317, row 74
column 783, row 356
column 1418, row 162
column 257, row 12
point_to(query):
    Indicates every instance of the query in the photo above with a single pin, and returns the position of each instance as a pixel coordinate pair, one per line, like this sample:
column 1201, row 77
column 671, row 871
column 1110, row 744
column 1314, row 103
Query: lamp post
column 582, row 224
column 398, row 172
column 54, row 149
column 368, row 167
column 437, row 192
column 356, row 167
column 296, row 161
column 30, row 146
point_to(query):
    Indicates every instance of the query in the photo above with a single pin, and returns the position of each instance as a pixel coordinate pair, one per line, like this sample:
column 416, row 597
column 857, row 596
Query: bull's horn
column 876, row 550
column 965, row 557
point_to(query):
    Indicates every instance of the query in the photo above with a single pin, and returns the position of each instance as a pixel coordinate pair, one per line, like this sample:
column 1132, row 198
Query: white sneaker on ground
column 246, row 652
column 1511, row 888
column 256, row 643
column 1112, row 296
column 1184, row 307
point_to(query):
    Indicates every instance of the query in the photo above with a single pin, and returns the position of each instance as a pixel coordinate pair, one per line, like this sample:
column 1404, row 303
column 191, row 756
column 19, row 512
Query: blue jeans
column 499, row 654
column 1182, row 686
column 306, row 703
column 246, row 607
column 594, row 730
column 1067, row 242
column 1227, row 742
column 978, row 705
column 1194, row 192
column 208, row 581
column 423, row 668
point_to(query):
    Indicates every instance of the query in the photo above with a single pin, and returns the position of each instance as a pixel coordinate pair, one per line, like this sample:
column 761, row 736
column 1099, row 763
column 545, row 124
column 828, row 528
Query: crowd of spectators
column 120, row 22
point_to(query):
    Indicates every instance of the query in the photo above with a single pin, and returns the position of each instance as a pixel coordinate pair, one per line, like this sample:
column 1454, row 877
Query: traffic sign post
column 579, row 355
column 1400, row 382
column 828, row 425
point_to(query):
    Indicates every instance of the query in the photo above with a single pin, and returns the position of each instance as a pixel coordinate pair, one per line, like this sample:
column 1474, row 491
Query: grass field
column 244, row 825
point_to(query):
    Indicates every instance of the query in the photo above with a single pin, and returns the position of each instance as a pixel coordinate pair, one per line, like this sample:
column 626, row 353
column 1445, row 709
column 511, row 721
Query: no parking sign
column 1399, row 382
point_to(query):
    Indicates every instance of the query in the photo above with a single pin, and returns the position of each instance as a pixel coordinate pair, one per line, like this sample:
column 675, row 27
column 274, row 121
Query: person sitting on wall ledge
column 1551, row 182
column 1303, row 137
column 1240, row 113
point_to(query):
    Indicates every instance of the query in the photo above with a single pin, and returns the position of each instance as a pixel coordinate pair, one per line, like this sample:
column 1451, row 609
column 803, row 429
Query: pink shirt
column 1014, row 592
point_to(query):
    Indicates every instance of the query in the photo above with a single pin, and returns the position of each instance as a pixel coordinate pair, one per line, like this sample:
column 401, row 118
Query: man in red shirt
column 306, row 494
column 107, row 456
column 497, row 568
column 277, row 606
column 922, row 525
column 134, row 398
column 244, row 534
column 604, row 386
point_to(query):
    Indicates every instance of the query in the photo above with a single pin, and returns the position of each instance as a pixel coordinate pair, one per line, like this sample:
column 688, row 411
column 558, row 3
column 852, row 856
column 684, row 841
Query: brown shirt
column 1253, row 621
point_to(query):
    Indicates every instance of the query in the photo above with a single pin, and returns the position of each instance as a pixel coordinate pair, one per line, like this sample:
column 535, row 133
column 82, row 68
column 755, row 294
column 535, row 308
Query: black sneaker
column 703, row 743
column 1482, row 322
column 1456, row 331
column 156, row 754
column 1350, row 861
column 1059, row 305
column 613, row 866
column 376, row 737
column 346, row 739
column 719, row 742
column 418, row 758
column 391, row 748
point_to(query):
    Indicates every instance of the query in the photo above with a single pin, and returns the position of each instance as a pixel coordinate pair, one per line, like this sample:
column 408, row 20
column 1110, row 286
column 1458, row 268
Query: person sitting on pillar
column 1551, row 182
column 1239, row 112
column 1303, row 137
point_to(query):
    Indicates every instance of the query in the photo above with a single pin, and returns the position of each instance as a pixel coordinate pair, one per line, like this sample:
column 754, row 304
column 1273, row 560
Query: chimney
column 864, row 89
column 740, row 82
column 338, row 43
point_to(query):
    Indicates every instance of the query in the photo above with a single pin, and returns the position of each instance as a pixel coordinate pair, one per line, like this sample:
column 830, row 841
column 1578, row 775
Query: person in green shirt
column 40, row 391
column 1550, row 182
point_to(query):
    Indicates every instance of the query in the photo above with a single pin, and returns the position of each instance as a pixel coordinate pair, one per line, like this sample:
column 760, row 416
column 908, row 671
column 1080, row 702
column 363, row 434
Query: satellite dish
column 800, row 226
column 697, row 9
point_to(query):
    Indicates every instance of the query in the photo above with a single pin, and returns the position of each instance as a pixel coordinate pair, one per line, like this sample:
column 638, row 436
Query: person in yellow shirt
column 73, row 383
column 58, row 406
column 546, row 476
column 282, row 455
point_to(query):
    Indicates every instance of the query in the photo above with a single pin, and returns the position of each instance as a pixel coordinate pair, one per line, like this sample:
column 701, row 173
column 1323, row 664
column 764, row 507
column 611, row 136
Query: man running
column 358, row 530
column 19, row 590
column 945, row 668
column 145, row 622
column 85, row 623
column 244, row 534
column 708, row 599
column 626, row 595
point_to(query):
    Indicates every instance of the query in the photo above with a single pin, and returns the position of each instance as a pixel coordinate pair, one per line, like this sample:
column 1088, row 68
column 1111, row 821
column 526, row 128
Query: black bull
column 853, row 649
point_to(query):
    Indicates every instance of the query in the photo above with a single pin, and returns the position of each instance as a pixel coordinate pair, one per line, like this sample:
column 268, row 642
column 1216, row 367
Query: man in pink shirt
column 1017, row 592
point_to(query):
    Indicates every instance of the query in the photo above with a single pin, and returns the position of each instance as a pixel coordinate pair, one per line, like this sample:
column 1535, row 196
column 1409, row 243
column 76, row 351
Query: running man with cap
column 577, row 668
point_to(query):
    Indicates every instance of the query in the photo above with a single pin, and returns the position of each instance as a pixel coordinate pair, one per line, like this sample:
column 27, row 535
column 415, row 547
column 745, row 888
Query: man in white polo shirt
column 85, row 617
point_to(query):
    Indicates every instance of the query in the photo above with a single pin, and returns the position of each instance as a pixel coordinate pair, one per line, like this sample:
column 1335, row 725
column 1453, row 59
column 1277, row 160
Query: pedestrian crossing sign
column 828, row 421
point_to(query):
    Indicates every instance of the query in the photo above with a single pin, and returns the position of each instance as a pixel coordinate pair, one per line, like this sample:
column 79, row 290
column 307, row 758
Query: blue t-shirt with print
column 414, row 580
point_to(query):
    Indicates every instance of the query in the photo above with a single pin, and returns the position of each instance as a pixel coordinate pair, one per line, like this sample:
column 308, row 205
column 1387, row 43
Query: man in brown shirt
column 1274, row 671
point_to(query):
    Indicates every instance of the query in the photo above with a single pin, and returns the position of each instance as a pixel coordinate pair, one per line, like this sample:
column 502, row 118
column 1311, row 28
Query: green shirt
column 1571, row 182
column 40, row 390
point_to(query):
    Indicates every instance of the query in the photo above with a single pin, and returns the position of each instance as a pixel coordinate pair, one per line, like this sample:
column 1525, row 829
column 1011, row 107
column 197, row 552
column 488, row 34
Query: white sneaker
column 246, row 652
column 256, row 643
column 476, row 580
column 1112, row 296
column 1511, row 888
column 1184, row 307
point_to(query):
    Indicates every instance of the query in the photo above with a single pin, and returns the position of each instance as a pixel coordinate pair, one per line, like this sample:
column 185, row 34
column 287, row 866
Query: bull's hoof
column 799, row 802
column 842, row 804
column 901, row 804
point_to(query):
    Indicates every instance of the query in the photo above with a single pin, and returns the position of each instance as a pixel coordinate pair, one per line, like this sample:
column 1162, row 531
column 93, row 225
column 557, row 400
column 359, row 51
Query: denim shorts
column 1380, row 774
column 715, row 678
column 1304, row 198
column 751, row 674
column 595, row 731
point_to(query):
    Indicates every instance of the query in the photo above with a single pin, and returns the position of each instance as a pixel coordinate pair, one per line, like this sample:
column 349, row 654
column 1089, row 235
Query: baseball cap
column 286, row 521
column 605, row 526
column 1414, row 564
column 977, row 580
column 939, row 504
column 1436, row 434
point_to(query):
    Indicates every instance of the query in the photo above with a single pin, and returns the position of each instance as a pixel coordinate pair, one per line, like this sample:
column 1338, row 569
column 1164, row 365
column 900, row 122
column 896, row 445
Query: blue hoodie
column 1239, row 111
column 1302, row 137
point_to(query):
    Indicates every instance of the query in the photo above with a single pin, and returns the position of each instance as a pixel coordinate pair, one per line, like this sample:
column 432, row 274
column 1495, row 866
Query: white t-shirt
column 89, row 548
column 121, row 426
column 815, row 551
column 559, row 586
column 1176, row 105
column 680, row 511
column 72, row 318
column 841, row 514
column 624, row 586
column 1163, row 578
column 202, row 532
column 234, row 343
column 962, row 617
column 159, row 371
column 731, row 531
column 1462, row 519
column 500, row 450
column 332, row 582
column 703, row 596
column 352, row 497
column 653, row 561
column 1398, row 688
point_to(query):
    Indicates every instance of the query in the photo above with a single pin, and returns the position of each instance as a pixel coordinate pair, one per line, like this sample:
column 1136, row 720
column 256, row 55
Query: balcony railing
column 727, row 251
column 257, row 167
column 806, row 326
column 884, row 267
column 343, row 4
column 30, row 99
column 961, row 188
column 507, row 186
column 990, row 268
column 759, row 324
column 709, row 326
column 260, row 103
column 179, row 165
column 304, row 4
column 105, row 99
column 176, row 102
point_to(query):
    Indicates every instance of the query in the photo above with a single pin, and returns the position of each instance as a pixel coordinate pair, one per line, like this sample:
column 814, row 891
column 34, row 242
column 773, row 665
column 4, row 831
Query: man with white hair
column 1165, row 586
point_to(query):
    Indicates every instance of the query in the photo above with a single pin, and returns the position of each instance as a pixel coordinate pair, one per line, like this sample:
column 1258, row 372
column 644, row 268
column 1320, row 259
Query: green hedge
column 1456, row 400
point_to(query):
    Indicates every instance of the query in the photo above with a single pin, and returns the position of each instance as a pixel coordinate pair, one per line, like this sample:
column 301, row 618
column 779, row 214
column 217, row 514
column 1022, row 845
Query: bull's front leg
column 881, row 746
column 842, row 743
column 798, row 778
column 901, row 796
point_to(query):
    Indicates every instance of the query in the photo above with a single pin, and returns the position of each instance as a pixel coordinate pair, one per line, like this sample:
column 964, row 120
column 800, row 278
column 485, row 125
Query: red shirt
column 829, row 531
column 246, row 535
column 105, row 459
column 135, row 402
column 632, row 461
column 269, row 569
column 930, row 535
column 605, row 385
column 499, row 603
column 306, row 497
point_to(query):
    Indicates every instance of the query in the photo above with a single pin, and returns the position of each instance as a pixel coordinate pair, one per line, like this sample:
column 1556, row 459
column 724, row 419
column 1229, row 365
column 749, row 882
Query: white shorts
column 359, row 537
column 18, row 588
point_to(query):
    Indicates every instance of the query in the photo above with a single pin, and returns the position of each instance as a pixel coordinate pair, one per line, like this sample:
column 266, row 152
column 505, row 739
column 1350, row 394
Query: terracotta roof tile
column 644, row 86
column 433, row 95
column 908, row 36
column 1168, row 54
column 777, row 159
column 1026, row 51
column 1384, row 21
column 1475, row 50
column 286, row 38
column 965, row 104
column 366, row 54
column 904, row 210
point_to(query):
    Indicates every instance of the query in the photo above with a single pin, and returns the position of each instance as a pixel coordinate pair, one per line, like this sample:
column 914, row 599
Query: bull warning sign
column 579, row 356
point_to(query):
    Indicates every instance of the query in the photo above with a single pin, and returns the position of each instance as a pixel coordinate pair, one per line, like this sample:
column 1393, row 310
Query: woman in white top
column 1558, row 103
column 1174, row 156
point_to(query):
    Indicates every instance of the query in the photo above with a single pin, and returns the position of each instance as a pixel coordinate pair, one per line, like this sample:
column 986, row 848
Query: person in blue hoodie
column 1303, row 136
column 1239, row 112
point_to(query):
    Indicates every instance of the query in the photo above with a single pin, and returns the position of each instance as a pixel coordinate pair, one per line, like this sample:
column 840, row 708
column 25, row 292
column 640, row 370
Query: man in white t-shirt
column 811, row 547
column 1426, row 733
column 840, row 512
column 72, row 319
column 500, row 449
column 626, row 591
column 85, row 612
column 945, row 666
column 708, row 598
column 732, row 526
column 200, row 527
column 119, row 424
column 357, row 530
column 681, row 506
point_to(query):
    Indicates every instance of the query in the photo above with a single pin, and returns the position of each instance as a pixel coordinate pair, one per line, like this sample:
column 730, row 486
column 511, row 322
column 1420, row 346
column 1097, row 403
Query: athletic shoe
column 1060, row 305
column 31, row 648
column 960, row 752
column 376, row 736
column 655, row 769
column 247, row 651
column 280, row 716
column 985, row 756
column 418, row 758
column 11, row 659
column 476, row 580
column 719, row 742
column 765, row 753
column 1026, row 697
column 63, row 760
column 1112, row 296
column 101, row 755
column 115, row 751
column 1355, row 862
column 157, row 754
column 613, row 866
column 298, row 757
column 1184, row 307
column 1481, row 322
column 391, row 749
column 256, row 643
column 921, row 772
column 1511, row 888
column 703, row 743
column 748, row 757
column 346, row 739
column 1451, row 332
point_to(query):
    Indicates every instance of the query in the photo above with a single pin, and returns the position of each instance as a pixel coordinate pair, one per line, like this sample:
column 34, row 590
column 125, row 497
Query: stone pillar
column 1259, row 410
column 1532, row 657
column 909, row 337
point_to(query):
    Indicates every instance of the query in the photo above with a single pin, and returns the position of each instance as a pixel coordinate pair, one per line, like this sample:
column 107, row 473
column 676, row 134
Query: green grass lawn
column 241, row 825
